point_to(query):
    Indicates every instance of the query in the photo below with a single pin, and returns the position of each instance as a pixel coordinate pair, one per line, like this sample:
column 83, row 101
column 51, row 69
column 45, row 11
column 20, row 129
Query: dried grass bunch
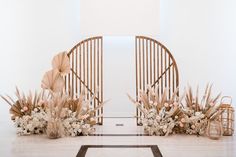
column 24, row 105
column 198, row 112
column 28, row 112
column 160, row 115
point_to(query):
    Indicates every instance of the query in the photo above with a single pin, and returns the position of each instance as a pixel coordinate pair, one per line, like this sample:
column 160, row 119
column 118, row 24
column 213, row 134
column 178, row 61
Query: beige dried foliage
column 53, row 81
column 55, row 128
column 207, row 105
column 61, row 62
column 150, row 97
column 25, row 104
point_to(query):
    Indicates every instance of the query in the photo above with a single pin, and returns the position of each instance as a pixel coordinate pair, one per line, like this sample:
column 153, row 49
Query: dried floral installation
column 53, row 111
column 162, row 116
column 198, row 112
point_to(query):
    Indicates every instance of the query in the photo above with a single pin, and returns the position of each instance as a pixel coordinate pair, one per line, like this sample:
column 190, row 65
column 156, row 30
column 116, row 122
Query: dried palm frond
column 55, row 128
column 198, row 113
column 207, row 105
column 61, row 62
column 151, row 99
column 53, row 81
column 56, row 104
column 24, row 104
column 144, row 98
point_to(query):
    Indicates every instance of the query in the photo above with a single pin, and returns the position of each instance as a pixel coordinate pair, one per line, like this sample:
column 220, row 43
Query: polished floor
column 110, row 133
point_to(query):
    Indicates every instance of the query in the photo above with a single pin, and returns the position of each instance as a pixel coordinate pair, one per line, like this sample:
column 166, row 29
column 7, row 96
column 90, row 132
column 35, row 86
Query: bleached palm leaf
column 53, row 81
column 61, row 62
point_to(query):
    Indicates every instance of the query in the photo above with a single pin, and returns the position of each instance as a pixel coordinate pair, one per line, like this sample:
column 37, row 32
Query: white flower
column 197, row 113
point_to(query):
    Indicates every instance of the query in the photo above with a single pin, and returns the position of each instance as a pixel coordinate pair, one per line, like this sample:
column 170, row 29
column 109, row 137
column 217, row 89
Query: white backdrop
column 201, row 35
column 119, row 17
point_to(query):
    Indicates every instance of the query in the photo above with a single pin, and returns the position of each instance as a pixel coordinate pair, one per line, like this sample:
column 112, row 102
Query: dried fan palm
column 61, row 62
column 53, row 81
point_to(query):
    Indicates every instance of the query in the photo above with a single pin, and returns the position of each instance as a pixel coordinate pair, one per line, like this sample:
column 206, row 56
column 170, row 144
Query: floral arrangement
column 28, row 112
column 53, row 111
column 199, row 112
column 162, row 116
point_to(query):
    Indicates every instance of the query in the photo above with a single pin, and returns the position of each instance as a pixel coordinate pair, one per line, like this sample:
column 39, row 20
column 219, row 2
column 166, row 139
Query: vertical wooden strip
column 65, row 78
column 102, row 78
column 69, row 80
column 140, row 63
column 144, row 72
column 76, row 71
column 154, row 64
column 136, row 70
column 140, row 74
column 84, row 79
column 150, row 62
column 98, row 73
column 87, row 71
column 169, row 66
column 91, row 68
column 177, row 79
column 72, row 75
column 136, row 74
column 165, row 68
column 158, row 68
column 147, row 62
column 161, row 70
column 173, row 79
column 94, row 74
column 143, row 58
column 80, row 53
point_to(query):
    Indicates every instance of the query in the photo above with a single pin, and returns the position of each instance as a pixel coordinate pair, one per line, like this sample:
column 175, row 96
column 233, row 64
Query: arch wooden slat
column 87, row 72
column 155, row 66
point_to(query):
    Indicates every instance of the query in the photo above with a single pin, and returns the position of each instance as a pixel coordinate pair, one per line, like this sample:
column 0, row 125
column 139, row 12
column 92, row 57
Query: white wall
column 119, row 17
column 31, row 32
column 199, row 33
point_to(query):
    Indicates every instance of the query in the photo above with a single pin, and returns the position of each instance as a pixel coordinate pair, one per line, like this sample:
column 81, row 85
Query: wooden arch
column 86, row 72
column 155, row 66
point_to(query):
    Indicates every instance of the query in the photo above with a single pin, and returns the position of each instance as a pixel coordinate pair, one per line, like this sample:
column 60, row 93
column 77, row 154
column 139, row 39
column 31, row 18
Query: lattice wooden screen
column 155, row 66
column 87, row 72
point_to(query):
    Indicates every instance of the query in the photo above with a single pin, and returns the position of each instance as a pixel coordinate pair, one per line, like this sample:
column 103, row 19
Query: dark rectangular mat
column 155, row 150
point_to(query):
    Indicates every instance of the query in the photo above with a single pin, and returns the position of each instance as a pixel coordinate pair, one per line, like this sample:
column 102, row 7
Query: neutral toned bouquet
column 160, row 115
column 199, row 111
column 28, row 112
